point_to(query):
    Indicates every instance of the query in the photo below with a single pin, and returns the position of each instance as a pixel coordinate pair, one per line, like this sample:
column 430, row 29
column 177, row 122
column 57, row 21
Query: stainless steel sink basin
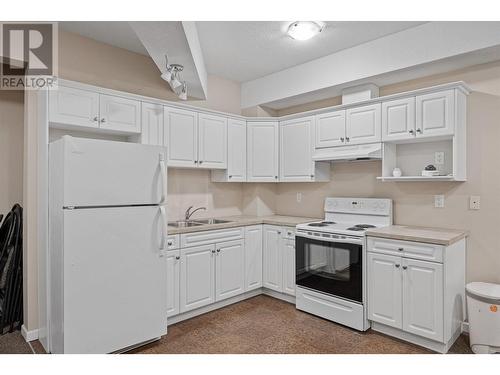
column 183, row 224
column 212, row 221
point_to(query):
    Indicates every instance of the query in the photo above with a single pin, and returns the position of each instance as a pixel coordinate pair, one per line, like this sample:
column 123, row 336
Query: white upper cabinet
column 423, row 298
column 363, row 124
column 435, row 114
column 229, row 269
column 237, row 150
column 330, row 129
column 296, row 143
column 398, row 119
column 212, row 142
column 181, row 137
column 120, row 114
column 152, row 124
column 262, row 151
column 69, row 106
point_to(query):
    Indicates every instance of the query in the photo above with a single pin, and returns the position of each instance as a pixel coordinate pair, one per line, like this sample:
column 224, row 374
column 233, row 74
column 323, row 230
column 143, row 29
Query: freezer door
column 107, row 173
column 115, row 282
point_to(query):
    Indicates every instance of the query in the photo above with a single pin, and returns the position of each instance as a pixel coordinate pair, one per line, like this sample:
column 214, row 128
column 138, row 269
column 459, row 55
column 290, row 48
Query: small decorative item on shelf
column 430, row 171
column 396, row 172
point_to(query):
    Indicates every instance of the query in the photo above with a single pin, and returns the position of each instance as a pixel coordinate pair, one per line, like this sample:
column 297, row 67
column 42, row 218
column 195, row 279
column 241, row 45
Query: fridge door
column 107, row 173
column 115, row 282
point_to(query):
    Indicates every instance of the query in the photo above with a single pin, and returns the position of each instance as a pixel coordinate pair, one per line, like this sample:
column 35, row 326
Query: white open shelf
column 417, row 178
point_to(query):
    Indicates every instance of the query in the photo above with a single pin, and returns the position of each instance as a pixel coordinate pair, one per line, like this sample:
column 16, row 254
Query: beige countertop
column 245, row 220
column 439, row 236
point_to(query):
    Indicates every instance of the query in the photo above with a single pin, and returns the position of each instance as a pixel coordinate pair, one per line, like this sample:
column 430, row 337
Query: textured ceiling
column 243, row 51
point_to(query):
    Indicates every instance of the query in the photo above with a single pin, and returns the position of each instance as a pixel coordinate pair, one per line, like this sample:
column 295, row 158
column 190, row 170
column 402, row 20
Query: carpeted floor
column 260, row 325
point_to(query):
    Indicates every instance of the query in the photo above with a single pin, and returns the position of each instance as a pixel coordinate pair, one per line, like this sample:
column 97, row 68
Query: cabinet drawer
column 212, row 236
column 415, row 250
column 173, row 242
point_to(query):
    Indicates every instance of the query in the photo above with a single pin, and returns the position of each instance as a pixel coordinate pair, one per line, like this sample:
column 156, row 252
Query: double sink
column 194, row 223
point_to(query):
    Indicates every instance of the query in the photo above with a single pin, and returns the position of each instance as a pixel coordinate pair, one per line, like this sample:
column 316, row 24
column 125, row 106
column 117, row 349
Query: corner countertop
column 438, row 236
column 245, row 220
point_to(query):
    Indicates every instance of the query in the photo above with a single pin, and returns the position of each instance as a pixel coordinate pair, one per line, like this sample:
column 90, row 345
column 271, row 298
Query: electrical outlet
column 439, row 201
column 474, row 202
column 439, row 158
column 299, row 197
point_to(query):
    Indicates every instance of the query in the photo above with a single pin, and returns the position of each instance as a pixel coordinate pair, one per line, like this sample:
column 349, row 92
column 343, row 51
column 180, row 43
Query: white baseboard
column 284, row 297
column 29, row 335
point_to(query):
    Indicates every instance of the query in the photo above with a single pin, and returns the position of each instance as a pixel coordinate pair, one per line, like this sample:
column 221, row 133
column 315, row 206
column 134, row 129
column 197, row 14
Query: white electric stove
column 331, row 259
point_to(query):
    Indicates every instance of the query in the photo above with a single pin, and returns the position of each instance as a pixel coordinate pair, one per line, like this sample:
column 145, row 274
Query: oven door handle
column 356, row 241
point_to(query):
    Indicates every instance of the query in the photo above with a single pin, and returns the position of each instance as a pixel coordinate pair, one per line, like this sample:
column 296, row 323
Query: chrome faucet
column 190, row 213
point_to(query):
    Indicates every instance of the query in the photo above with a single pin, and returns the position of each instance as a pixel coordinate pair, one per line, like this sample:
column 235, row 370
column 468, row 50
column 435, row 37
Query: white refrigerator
column 107, row 281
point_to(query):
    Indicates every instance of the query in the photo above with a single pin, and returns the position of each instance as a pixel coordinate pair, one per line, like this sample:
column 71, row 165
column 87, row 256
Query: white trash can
column 483, row 305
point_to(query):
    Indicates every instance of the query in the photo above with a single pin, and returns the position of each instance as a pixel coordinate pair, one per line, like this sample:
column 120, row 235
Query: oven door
column 332, row 266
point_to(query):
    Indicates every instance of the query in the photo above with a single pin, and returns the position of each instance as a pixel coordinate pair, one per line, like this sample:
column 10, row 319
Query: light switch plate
column 439, row 201
column 439, row 158
column 299, row 197
column 474, row 202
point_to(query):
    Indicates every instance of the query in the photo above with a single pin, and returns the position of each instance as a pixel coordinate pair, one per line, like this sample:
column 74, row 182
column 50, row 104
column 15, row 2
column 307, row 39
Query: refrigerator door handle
column 163, row 170
column 164, row 224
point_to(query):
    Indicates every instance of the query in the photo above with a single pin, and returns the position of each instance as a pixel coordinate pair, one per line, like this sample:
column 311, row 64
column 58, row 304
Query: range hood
column 371, row 151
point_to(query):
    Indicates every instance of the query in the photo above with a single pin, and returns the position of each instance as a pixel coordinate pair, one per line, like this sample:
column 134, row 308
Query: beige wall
column 11, row 149
column 413, row 201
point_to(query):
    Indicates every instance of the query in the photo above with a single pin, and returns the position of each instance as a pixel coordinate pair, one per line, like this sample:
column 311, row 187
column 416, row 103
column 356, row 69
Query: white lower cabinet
column 288, row 250
column 422, row 301
column 229, row 269
column 197, row 287
column 423, row 298
column 273, row 264
column 253, row 257
column 173, row 272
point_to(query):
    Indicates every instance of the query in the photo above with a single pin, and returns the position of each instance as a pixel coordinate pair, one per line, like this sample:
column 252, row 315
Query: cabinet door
column 237, row 150
column 173, row 274
column 288, row 250
column 330, row 129
column 120, row 114
column 384, row 289
column 212, row 141
column 398, row 119
column 229, row 269
column 262, row 151
column 435, row 114
column 272, row 254
column 197, row 277
column 296, row 144
column 152, row 124
column 423, row 298
column 253, row 257
column 181, row 136
column 363, row 124
column 70, row 106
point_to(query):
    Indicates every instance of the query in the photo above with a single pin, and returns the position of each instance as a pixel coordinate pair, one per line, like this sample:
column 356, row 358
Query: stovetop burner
column 360, row 227
column 321, row 224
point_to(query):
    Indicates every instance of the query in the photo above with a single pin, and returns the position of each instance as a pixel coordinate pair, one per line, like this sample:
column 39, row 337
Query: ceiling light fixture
column 304, row 30
column 172, row 76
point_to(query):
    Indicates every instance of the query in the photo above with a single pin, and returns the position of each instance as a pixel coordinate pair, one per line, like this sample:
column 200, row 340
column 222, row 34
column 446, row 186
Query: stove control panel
column 366, row 206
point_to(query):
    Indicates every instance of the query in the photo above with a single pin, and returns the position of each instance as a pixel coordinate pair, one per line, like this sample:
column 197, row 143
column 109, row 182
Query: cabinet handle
column 341, row 139
column 419, row 131
column 401, row 249
column 312, row 176
column 213, row 251
column 411, row 131
column 279, row 232
column 95, row 119
column 276, row 177
column 103, row 120
column 397, row 265
column 201, row 161
column 196, row 161
column 177, row 257
column 218, row 250
column 230, row 176
column 347, row 139
column 405, row 267
column 170, row 243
